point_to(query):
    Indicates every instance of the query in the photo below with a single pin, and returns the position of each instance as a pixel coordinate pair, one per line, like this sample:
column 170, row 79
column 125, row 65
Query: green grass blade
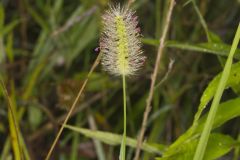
column 226, row 111
column 115, row 139
column 9, row 27
column 208, row 125
column 202, row 21
column 233, row 80
column 218, row 146
column 237, row 150
column 220, row 49
column 98, row 145
column 13, row 122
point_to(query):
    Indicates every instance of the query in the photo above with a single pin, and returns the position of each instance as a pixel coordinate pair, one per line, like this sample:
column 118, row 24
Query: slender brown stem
column 153, row 81
column 49, row 126
column 73, row 107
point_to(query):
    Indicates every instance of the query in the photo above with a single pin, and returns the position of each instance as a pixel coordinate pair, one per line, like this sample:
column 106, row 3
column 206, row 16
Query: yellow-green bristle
column 122, row 46
column 120, row 43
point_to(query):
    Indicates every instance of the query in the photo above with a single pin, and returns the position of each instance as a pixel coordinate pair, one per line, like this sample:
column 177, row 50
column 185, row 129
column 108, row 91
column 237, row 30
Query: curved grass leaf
column 37, row 17
column 233, row 81
column 218, row 145
column 202, row 145
column 9, row 27
column 226, row 111
column 115, row 139
column 213, row 48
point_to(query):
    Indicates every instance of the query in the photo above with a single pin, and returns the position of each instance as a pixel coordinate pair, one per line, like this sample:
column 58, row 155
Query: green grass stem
column 123, row 145
column 199, row 154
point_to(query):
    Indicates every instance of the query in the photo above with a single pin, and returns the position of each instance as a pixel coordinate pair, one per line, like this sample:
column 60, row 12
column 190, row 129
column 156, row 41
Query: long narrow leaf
column 212, row 48
column 115, row 139
column 226, row 111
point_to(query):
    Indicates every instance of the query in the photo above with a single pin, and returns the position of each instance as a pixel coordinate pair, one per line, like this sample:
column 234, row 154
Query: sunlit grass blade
column 214, row 150
column 13, row 123
column 233, row 80
column 220, row 49
column 199, row 154
column 115, row 139
column 226, row 111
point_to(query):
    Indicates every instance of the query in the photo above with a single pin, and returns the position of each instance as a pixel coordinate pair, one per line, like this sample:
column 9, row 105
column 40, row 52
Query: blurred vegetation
column 47, row 48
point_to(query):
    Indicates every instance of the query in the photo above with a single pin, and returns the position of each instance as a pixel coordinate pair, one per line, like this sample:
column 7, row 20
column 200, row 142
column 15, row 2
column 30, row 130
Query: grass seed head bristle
column 120, row 43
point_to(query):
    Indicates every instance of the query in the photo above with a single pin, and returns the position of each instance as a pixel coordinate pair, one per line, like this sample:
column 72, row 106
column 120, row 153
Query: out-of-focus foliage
column 47, row 48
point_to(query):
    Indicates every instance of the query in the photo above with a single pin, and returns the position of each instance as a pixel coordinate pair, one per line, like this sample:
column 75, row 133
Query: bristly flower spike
column 119, row 42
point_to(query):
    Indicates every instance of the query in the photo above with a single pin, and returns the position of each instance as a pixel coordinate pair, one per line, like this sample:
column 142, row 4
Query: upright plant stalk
column 72, row 107
column 153, row 80
column 199, row 154
column 123, row 147
column 121, row 47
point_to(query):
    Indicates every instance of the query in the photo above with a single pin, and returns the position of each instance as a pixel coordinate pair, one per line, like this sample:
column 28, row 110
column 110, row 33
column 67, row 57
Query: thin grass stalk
column 121, row 47
column 13, row 123
column 153, row 80
column 201, row 20
column 73, row 107
column 123, row 147
column 201, row 148
column 237, row 149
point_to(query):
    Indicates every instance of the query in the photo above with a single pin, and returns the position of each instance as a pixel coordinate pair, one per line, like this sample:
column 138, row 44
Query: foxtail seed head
column 119, row 42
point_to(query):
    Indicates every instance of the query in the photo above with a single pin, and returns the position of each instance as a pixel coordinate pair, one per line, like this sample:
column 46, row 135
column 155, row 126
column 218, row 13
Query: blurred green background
column 47, row 49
